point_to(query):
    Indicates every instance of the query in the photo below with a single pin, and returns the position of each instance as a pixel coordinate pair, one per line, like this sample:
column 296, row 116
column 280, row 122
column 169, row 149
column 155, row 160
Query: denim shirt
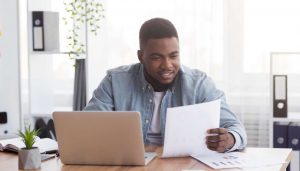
column 125, row 89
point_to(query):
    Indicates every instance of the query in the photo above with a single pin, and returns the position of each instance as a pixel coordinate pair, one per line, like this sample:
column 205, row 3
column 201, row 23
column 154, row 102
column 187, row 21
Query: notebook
column 100, row 138
column 47, row 146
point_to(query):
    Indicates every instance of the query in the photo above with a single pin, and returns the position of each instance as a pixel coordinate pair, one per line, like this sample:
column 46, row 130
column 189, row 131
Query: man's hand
column 219, row 139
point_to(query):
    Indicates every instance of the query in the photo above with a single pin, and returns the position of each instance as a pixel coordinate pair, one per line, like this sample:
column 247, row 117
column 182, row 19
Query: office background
column 231, row 40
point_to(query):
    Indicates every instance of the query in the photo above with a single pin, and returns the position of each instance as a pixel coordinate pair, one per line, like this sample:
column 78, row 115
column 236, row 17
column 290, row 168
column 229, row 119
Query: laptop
column 101, row 138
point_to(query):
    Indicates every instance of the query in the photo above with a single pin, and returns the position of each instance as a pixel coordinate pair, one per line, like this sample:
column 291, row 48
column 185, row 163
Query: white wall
column 9, row 65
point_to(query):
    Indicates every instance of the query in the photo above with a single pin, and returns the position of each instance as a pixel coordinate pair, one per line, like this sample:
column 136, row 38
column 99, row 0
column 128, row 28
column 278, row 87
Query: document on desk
column 237, row 160
column 186, row 128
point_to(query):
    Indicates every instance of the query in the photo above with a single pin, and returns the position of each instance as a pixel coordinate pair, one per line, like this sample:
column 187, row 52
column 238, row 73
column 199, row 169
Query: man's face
column 160, row 58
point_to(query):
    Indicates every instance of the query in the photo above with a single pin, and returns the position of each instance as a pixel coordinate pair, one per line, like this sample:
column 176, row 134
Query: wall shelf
column 53, row 53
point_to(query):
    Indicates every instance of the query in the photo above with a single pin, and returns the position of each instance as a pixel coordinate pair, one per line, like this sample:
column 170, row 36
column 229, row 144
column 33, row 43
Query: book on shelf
column 45, row 145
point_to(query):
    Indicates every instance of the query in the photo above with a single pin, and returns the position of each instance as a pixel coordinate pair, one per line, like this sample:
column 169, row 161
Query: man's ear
column 140, row 56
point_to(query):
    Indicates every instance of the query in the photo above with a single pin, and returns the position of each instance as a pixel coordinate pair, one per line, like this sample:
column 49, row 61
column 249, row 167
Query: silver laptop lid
column 99, row 138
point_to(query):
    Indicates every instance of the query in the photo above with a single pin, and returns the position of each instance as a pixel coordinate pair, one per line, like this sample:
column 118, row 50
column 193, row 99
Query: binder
column 294, row 136
column 280, row 95
column 45, row 31
column 38, row 31
column 280, row 135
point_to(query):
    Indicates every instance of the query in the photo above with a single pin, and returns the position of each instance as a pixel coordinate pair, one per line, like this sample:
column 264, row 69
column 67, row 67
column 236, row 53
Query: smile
column 166, row 75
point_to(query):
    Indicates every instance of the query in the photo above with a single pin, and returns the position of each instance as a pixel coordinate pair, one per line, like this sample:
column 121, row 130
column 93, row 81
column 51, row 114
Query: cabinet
column 286, row 63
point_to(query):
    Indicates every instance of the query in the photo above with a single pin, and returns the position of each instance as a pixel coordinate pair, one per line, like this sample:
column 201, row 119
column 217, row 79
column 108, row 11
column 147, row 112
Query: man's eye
column 174, row 56
column 155, row 57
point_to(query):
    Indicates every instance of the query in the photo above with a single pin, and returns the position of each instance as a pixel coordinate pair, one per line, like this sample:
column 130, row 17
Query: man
column 159, row 82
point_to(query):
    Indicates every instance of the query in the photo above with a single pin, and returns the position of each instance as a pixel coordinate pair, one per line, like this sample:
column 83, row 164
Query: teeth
column 168, row 74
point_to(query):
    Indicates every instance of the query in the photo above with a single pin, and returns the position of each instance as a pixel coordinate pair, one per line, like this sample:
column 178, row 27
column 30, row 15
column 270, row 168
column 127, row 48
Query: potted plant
column 29, row 156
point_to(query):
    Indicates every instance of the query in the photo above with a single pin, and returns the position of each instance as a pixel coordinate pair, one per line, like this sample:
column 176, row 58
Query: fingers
column 217, row 141
column 217, row 131
column 217, row 146
column 216, row 138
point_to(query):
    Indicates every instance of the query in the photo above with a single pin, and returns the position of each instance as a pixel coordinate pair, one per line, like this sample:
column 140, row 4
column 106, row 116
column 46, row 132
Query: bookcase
column 283, row 130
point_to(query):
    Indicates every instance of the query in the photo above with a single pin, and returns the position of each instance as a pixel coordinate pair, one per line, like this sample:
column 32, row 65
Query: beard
column 157, row 86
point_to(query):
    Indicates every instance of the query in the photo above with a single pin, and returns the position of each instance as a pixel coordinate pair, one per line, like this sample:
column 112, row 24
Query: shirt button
column 150, row 100
column 149, row 86
column 147, row 120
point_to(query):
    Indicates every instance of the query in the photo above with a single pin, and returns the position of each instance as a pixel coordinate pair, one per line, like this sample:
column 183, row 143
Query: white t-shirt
column 154, row 133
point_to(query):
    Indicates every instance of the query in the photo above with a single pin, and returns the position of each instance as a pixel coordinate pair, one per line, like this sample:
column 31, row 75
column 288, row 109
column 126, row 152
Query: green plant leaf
column 28, row 136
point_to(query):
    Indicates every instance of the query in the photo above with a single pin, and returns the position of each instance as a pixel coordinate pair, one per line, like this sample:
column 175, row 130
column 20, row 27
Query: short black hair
column 156, row 28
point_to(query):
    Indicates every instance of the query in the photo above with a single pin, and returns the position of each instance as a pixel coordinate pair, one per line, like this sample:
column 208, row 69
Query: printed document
column 237, row 160
column 186, row 128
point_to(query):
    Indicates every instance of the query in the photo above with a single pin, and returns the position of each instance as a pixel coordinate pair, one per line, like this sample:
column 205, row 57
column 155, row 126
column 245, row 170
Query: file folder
column 45, row 31
column 294, row 136
column 280, row 107
column 280, row 135
column 38, row 31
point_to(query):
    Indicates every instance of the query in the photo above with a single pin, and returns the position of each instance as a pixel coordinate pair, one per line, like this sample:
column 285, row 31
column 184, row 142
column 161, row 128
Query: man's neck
column 157, row 86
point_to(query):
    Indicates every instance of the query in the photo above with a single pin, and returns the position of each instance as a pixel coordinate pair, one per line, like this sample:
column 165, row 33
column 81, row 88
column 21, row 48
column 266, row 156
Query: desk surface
column 9, row 162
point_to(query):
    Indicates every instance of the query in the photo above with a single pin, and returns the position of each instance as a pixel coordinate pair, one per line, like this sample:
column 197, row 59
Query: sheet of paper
column 237, row 160
column 186, row 128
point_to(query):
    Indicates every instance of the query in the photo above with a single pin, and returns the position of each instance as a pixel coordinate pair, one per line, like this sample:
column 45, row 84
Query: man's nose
column 166, row 63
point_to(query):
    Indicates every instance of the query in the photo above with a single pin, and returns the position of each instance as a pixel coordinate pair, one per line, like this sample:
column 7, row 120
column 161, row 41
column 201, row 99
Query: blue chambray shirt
column 125, row 89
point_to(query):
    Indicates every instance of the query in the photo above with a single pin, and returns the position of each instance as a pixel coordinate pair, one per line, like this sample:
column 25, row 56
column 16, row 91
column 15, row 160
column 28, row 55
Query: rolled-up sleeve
column 228, row 119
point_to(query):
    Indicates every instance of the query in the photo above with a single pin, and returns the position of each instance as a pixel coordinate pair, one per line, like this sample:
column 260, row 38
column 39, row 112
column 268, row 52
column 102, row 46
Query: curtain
column 79, row 98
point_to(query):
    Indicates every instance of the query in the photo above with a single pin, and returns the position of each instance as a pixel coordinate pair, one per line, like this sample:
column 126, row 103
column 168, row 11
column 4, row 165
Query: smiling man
column 159, row 82
column 160, row 58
